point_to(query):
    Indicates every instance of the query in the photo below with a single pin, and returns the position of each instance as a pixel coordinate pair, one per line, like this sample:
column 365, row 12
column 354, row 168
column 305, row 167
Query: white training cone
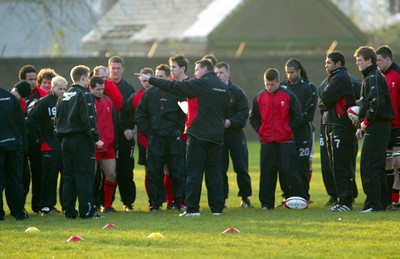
column 32, row 229
column 155, row 235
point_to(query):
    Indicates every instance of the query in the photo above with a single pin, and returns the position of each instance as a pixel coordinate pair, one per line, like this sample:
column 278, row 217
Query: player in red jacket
column 105, row 156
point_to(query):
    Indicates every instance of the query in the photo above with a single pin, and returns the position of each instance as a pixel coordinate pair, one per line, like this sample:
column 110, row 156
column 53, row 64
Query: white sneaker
column 186, row 214
column 216, row 213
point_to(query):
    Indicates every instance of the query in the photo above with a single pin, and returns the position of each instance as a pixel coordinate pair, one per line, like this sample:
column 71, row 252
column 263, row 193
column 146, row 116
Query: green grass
column 281, row 233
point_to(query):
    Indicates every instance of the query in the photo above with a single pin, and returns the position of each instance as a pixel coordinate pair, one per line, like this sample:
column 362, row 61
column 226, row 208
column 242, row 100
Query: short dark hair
column 165, row 68
column 147, row 70
column 116, row 59
column 94, row 81
column 272, row 74
column 25, row 70
column 78, row 71
column 180, row 60
column 222, row 65
column 212, row 58
column 336, row 57
column 385, row 52
column 205, row 63
column 367, row 52
column 297, row 65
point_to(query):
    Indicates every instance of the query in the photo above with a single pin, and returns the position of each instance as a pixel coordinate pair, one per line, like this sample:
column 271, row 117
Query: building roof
column 194, row 27
column 134, row 26
column 285, row 25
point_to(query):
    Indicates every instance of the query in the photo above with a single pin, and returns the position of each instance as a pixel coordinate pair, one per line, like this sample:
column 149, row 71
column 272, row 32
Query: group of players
column 187, row 126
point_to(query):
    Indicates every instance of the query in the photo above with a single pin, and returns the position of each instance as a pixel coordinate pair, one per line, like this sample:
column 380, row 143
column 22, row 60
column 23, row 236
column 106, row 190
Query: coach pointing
column 208, row 104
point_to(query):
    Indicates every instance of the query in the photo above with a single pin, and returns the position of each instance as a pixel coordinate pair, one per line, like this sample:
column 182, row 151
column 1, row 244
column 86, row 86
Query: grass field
column 281, row 233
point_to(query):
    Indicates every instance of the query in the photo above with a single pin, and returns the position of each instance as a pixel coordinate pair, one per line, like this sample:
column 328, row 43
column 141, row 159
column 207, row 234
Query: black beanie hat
column 23, row 88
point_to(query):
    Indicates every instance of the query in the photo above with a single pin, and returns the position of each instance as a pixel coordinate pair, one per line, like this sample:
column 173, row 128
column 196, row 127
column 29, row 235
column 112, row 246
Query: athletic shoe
column 280, row 205
column 45, row 211
column 1, row 218
column 183, row 208
column 21, row 216
column 217, row 213
column 187, row 214
column 369, row 210
column 332, row 201
column 107, row 210
column 154, row 208
column 393, row 206
column 266, row 208
column 171, row 207
column 128, row 207
column 340, row 208
column 54, row 209
column 97, row 216
column 245, row 203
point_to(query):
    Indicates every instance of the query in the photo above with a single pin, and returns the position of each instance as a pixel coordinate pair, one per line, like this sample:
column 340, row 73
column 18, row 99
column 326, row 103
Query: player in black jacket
column 337, row 97
column 375, row 115
column 75, row 126
column 12, row 132
column 208, row 106
column 160, row 119
column 40, row 123
column 235, row 142
column 305, row 91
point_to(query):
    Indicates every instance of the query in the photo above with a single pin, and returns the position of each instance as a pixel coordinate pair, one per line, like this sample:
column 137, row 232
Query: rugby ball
column 296, row 203
column 352, row 112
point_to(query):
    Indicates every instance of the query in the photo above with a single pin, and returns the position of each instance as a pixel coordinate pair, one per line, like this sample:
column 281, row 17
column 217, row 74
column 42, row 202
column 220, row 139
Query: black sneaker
column 97, row 216
column 332, row 201
column 245, row 203
column 54, row 209
column 107, row 210
column 171, row 207
column 45, row 211
column 128, row 207
column 280, row 205
column 22, row 216
column 340, row 208
column 155, row 208
column 368, row 210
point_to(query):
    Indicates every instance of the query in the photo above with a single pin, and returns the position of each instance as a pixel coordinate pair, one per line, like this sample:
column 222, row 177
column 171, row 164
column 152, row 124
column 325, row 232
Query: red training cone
column 75, row 239
column 109, row 226
column 231, row 230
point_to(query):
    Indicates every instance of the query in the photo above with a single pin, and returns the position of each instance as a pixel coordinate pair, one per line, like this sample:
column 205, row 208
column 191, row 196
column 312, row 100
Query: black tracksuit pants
column 235, row 145
column 52, row 166
column 161, row 151
column 341, row 152
column 326, row 164
column 125, row 166
column 372, row 164
column 35, row 168
column 11, row 180
column 204, row 156
column 303, row 137
column 78, row 154
column 280, row 157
